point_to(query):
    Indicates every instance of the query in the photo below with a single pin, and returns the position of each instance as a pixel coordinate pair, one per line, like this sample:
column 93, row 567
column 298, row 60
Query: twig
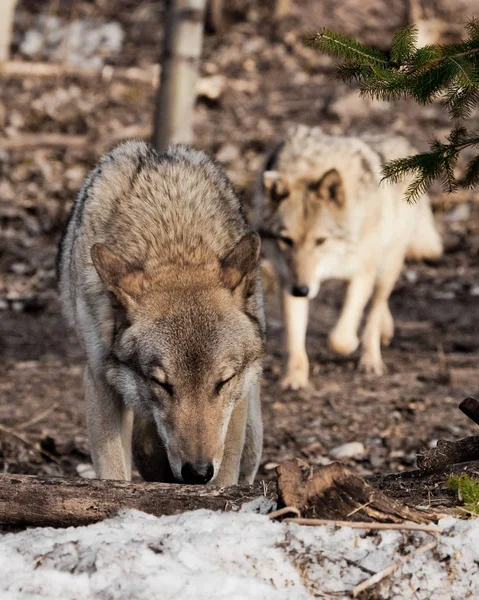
column 363, row 525
column 367, row 583
column 284, row 511
column 106, row 73
column 38, row 418
column 357, row 509
column 55, row 140
column 44, row 139
column 29, row 443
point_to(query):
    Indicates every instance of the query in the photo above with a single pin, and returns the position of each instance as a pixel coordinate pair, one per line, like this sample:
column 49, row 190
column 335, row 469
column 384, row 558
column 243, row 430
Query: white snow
column 205, row 555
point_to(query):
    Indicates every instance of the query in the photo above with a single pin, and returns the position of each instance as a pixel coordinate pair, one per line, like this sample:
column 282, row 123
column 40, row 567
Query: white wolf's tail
column 425, row 241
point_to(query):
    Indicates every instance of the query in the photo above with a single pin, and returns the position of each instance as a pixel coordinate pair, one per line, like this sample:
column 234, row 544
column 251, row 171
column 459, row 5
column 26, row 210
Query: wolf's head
column 185, row 350
column 305, row 228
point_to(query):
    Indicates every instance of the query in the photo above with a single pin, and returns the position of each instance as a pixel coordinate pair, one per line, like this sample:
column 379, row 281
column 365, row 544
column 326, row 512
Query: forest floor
column 268, row 80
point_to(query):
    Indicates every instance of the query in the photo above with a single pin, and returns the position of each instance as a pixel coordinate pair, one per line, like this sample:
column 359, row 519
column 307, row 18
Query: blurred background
column 78, row 76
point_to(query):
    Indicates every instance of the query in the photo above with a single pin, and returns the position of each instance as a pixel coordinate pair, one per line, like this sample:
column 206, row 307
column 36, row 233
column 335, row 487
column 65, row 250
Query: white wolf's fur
column 324, row 213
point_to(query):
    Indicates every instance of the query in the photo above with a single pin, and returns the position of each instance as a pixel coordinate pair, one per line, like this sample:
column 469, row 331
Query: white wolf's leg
column 371, row 360
column 343, row 339
column 387, row 326
column 108, row 423
column 295, row 312
column 253, row 444
column 229, row 470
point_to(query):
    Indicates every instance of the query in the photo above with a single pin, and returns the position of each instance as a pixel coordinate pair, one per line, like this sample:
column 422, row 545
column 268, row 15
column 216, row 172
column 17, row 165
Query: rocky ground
column 265, row 80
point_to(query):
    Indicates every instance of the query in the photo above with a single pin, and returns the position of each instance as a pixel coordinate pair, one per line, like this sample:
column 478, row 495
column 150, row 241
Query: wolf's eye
column 163, row 384
column 320, row 241
column 221, row 384
column 286, row 240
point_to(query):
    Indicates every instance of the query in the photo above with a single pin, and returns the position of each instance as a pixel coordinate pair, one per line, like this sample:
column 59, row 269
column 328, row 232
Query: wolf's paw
column 296, row 378
column 343, row 343
column 371, row 366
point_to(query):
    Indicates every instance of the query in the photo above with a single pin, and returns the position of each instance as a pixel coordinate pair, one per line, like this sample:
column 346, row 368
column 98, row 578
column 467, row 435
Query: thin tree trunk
column 7, row 12
column 214, row 15
column 181, row 55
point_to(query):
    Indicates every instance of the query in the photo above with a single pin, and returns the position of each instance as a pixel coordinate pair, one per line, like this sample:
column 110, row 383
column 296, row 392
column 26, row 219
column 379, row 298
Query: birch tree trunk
column 179, row 73
column 7, row 12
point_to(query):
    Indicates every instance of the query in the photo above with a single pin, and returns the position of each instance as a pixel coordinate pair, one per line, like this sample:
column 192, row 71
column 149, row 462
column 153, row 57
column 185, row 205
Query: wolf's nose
column 197, row 472
column 300, row 290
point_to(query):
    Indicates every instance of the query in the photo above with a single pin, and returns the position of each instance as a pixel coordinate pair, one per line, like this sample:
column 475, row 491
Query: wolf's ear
column 119, row 276
column 330, row 187
column 241, row 262
column 276, row 189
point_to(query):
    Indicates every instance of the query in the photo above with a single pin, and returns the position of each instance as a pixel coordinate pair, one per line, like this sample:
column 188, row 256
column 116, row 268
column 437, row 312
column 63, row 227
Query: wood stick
column 284, row 511
column 367, row 583
column 38, row 418
column 28, row 500
column 365, row 525
column 470, row 407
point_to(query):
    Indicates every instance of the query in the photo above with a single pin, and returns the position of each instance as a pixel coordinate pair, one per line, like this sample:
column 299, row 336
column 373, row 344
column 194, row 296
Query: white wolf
column 323, row 213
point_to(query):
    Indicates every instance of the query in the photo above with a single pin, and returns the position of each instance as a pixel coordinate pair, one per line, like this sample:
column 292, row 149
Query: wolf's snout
column 301, row 291
column 197, row 473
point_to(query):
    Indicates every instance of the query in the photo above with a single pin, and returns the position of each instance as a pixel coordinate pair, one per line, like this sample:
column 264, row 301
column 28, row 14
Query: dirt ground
column 270, row 80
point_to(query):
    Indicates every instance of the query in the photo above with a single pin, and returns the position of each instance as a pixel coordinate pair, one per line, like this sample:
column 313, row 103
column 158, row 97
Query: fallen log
column 449, row 453
column 28, row 500
column 36, row 501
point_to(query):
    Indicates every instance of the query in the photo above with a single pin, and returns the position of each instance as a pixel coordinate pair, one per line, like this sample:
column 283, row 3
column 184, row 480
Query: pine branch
column 449, row 73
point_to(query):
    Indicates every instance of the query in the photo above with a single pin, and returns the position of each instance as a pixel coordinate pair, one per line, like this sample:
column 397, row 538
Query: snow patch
column 205, row 555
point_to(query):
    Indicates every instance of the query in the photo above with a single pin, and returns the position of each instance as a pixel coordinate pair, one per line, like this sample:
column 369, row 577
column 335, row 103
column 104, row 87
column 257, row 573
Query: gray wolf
column 323, row 214
column 158, row 275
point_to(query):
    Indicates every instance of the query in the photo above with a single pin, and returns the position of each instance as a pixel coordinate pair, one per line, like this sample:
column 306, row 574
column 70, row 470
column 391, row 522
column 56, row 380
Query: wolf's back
column 150, row 209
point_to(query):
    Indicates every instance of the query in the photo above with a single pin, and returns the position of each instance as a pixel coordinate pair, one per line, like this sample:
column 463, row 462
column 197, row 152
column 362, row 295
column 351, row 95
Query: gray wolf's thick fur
column 158, row 275
column 324, row 213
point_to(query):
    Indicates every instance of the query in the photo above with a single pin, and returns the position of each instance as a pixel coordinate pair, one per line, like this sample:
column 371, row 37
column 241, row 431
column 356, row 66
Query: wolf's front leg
column 229, row 470
column 110, row 426
column 295, row 310
column 343, row 339
column 253, row 444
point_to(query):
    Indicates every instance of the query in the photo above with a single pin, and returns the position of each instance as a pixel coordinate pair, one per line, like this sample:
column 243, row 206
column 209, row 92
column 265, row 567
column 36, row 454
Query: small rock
column 19, row 268
column 411, row 276
column 350, row 450
column 86, row 471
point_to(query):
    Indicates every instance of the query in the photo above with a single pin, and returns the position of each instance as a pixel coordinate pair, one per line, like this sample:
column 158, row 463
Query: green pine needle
column 403, row 45
column 342, row 46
